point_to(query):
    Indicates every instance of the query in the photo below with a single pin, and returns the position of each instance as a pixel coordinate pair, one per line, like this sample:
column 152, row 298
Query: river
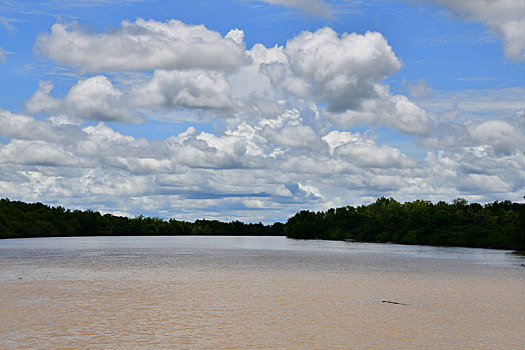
column 256, row 293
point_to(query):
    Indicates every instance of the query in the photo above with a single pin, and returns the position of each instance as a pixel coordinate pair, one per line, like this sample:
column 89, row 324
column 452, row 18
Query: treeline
column 494, row 225
column 19, row 219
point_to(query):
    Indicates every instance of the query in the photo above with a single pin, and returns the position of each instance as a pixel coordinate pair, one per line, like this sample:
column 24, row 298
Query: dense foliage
column 494, row 225
column 18, row 219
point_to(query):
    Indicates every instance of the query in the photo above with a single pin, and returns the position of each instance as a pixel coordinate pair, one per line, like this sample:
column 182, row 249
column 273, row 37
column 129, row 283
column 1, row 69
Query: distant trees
column 18, row 219
column 494, row 225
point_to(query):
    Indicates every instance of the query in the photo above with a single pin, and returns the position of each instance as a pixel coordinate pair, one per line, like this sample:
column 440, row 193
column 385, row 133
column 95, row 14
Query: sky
column 254, row 110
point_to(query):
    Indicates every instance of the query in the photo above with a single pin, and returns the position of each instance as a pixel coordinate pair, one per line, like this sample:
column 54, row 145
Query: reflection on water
column 256, row 292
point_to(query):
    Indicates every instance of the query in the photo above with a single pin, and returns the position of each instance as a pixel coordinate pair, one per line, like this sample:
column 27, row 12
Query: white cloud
column 236, row 35
column 475, row 171
column 419, row 89
column 104, row 143
column 283, row 113
column 143, row 45
column 243, row 168
column 94, row 98
column 396, row 111
column 311, row 190
column 144, row 166
column 191, row 88
column 493, row 139
column 504, row 137
column 37, row 153
column 292, row 136
column 42, row 100
column 23, row 127
column 342, row 70
column 364, row 152
column 205, row 150
column 262, row 55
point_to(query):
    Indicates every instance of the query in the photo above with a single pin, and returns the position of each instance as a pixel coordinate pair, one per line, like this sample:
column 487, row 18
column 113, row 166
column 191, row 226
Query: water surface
column 256, row 292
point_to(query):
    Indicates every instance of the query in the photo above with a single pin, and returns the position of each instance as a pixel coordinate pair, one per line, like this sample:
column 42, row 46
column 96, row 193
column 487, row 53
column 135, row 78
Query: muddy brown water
column 256, row 293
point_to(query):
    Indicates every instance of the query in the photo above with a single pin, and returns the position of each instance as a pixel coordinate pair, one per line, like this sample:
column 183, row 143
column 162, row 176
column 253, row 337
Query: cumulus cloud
column 23, row 127
column 310, row 190
column 205, row 150
column 342, row 70
column 419, row 89
column 94, row 98
column 292, row 136
column 37, row 153
column 289, row 130
column 364, row 152
column 312, row 7
column 475, row 170
column 396, row 111
column 263, row 55
column 190, row 88
column 244, row 167
column 345, row 73
column 492, row 121
column 42, row 100
column 143, row 45
column 504, row 17
column 501, row 135
column 284, row 141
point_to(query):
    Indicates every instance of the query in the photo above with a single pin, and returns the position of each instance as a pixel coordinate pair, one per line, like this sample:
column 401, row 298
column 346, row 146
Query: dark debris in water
column 392, row 302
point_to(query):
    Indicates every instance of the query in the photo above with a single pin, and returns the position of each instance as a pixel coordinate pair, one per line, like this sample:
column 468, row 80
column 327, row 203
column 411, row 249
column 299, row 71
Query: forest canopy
column 19, row 219
column 493, row 225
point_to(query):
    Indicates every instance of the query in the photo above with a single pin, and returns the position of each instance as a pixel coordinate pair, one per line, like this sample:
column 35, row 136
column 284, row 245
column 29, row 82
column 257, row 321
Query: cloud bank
column 294, row 127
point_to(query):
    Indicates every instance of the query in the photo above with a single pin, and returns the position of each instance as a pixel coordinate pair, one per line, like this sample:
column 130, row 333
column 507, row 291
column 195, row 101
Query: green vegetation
column 494, row 225
column 18, row 219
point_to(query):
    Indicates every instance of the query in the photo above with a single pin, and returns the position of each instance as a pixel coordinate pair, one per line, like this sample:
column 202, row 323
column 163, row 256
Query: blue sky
column 254, row 110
